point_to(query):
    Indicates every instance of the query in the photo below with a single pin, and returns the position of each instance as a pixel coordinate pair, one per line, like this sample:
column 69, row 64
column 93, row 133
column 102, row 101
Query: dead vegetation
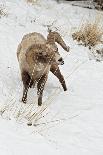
column 31, row 1
column 3, row 12
column 98, row 4
column 89, row 34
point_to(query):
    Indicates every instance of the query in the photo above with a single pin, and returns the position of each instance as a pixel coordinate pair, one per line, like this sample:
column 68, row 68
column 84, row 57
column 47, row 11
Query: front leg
column 56, row 71
column 40, row 87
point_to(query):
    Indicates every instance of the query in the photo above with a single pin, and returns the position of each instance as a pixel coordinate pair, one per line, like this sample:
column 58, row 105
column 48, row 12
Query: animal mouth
column 61, row 61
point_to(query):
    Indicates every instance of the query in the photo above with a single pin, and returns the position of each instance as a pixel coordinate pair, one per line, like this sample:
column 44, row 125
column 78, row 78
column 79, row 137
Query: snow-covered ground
column 72, row 121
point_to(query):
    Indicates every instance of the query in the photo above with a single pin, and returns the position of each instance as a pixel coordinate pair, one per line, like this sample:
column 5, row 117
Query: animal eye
column 40, row 53
column 46, row 55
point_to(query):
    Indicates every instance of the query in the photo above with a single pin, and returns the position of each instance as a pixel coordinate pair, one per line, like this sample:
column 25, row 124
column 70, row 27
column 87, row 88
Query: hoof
column 68, row 49
column 29, row 123
column 65, row 89
column 39, row 103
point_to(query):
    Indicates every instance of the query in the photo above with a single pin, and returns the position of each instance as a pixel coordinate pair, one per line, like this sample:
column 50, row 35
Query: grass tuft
column 3, row 12
column 31, row 1
column 89, row 34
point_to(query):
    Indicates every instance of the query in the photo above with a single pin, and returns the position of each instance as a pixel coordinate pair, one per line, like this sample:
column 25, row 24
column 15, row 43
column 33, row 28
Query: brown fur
column 36, row 57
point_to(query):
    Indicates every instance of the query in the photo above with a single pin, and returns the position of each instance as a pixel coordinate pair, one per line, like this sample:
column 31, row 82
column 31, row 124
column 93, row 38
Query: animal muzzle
column 61, row 61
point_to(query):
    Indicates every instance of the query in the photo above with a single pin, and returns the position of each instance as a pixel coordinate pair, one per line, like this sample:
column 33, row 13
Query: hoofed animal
column 37, row 56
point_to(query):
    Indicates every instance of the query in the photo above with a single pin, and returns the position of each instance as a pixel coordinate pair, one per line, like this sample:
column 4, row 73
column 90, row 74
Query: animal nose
column 61, row 61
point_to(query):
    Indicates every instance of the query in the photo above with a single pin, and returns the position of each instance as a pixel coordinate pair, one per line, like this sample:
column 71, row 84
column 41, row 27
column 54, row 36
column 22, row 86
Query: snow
column 72, row 122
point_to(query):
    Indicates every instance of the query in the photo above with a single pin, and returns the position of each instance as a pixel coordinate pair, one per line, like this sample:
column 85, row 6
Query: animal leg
column 40, row 88
column 27, row 82
column 56, row 71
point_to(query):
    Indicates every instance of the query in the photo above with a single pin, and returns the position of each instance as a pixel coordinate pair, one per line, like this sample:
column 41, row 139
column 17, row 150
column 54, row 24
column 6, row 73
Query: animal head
column 43, row 53
column 53, row 37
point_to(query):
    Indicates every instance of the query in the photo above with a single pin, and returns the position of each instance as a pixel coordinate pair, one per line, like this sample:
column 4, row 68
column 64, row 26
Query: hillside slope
column 73, row 121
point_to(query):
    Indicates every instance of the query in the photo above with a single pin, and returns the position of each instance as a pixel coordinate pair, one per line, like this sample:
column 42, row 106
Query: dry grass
column 31, row 1
column 3, row 12
column 29, row 113
column 90, row 34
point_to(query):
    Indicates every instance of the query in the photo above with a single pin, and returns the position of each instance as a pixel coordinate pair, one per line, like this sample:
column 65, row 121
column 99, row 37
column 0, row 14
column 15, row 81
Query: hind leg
column 56, row 71
column 27, row 82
